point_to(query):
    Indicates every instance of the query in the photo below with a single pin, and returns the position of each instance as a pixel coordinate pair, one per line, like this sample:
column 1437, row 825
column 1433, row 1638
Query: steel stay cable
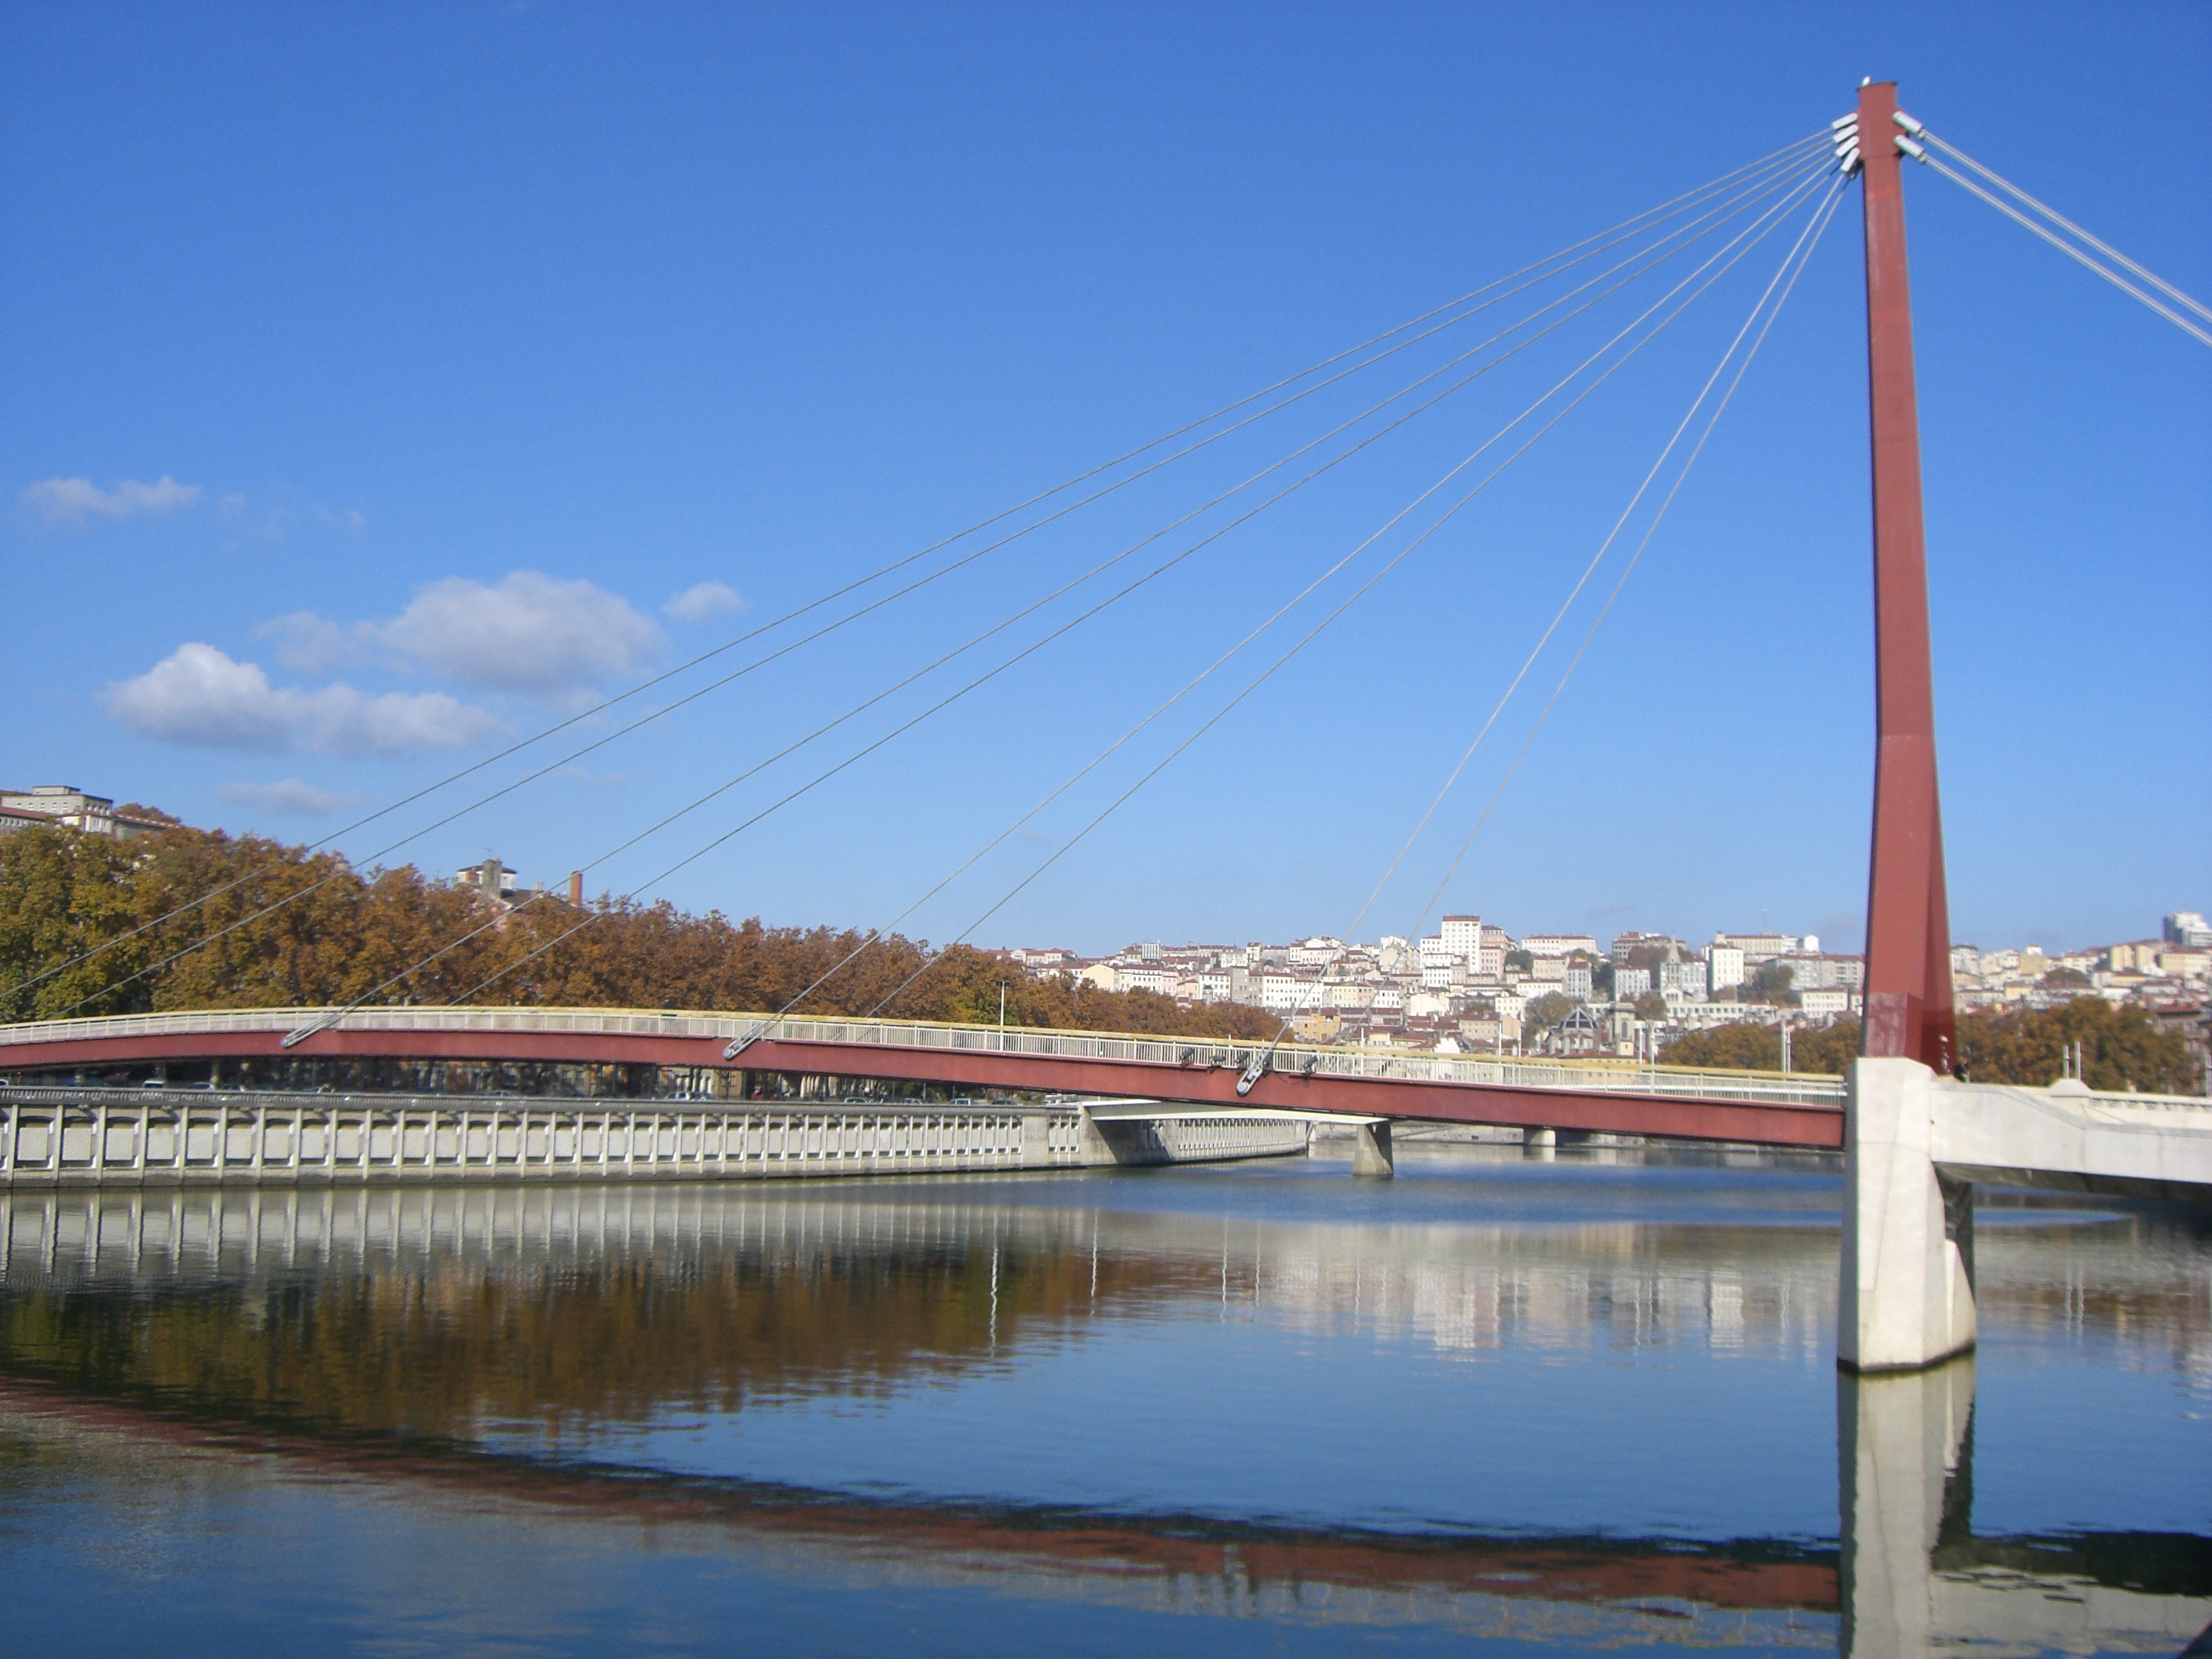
column 1738, row 203
column 323, row 1021
column 1619, row 233
column 1621, row 581
column 1815, row 224
column 1155, row 535
column 2056, row 217
column 1768, row 218
column 1813, row 227
column 936, row 707
column 874, row 934
column 1354, row 597
column 2068, row 249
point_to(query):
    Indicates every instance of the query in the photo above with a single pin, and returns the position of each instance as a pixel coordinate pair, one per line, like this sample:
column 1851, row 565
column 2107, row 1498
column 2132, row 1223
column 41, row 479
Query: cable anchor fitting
column 320, row 1023
column 739, row 1044
column 1254, row 1069
column 1845, row 132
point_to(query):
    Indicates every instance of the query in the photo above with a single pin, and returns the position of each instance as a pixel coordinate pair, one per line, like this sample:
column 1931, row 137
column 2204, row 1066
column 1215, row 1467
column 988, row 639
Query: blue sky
column 384, row 382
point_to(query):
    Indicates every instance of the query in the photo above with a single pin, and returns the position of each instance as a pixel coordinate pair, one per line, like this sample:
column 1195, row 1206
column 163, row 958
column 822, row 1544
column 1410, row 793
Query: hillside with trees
column 337, row 934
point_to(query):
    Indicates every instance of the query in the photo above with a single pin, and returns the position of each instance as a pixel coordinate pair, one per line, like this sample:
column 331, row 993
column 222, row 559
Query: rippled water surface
column 1576, row 1404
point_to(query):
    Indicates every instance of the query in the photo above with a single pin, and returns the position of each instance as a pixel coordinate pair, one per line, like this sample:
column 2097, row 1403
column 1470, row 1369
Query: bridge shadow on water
column 572, row 1363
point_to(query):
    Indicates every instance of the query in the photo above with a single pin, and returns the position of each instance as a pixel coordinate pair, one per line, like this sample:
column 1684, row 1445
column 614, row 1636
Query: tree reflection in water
column 486, row 1342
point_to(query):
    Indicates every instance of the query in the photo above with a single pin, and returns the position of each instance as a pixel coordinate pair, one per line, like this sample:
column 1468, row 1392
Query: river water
column 1496, row 1404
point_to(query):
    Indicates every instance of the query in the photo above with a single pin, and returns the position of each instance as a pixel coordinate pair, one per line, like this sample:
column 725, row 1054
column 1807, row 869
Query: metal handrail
column 1395, row 1065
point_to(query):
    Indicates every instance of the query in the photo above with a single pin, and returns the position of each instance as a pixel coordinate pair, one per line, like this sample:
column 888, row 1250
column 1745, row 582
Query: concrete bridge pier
column 1371, row 1150
column 1905, row 1483
column 1092, row 1149
column 1542, row 1144
column 1908, row 1266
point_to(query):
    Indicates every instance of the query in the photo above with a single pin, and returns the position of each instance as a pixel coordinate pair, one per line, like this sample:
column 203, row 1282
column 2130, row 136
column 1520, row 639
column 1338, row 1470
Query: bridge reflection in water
column 475, row 1346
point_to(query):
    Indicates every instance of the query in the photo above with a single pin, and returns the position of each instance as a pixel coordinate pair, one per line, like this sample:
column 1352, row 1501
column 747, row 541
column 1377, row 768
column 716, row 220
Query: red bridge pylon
column 1908, row 969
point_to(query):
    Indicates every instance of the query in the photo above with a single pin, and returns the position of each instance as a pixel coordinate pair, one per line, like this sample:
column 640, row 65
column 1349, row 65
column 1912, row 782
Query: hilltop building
column 64, row 804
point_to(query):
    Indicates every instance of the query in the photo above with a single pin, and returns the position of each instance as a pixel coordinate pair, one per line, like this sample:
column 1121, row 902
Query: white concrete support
column 1908, row 1259
column 1092, row 1149
column 1371, row 1150
column 1898, row 1440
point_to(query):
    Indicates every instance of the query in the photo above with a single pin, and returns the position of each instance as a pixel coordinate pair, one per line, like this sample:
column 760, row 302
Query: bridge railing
column 1395, row 1065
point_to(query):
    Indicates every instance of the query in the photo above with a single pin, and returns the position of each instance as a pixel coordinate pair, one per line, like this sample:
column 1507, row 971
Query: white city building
column 62, row 804
column 2189, row 930
column 1462, row 937
column 1724, row 966
column 1765, row 947
column 1284, row 994
column 1820, row 973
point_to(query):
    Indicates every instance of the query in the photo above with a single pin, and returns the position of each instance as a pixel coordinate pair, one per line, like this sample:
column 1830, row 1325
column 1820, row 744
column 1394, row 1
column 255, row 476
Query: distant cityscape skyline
column 1473, row 986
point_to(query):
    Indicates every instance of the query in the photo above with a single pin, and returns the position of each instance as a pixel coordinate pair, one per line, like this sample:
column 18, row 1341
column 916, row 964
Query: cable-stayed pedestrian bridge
column 1916, row 1137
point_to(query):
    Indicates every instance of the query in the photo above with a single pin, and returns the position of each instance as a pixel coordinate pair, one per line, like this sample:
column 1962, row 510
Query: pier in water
column 1571, row 1404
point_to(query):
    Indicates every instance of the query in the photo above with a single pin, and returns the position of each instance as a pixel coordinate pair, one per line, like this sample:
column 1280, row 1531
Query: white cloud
column 707, row 599
column 290, row 797
column 78, row 501
column 532, row 632
column 528, row 633
column 198, row 697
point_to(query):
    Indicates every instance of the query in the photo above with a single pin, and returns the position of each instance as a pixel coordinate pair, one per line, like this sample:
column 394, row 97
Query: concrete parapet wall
column 2146, row 1146
column 1197, row 1137
column 58, row 1137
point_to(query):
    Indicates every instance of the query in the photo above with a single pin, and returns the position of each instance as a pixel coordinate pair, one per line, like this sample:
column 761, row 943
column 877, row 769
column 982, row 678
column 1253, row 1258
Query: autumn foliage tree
column 2122, row 1047
column 280, row 927
column 1545, row 1012
column 1748, row 1045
